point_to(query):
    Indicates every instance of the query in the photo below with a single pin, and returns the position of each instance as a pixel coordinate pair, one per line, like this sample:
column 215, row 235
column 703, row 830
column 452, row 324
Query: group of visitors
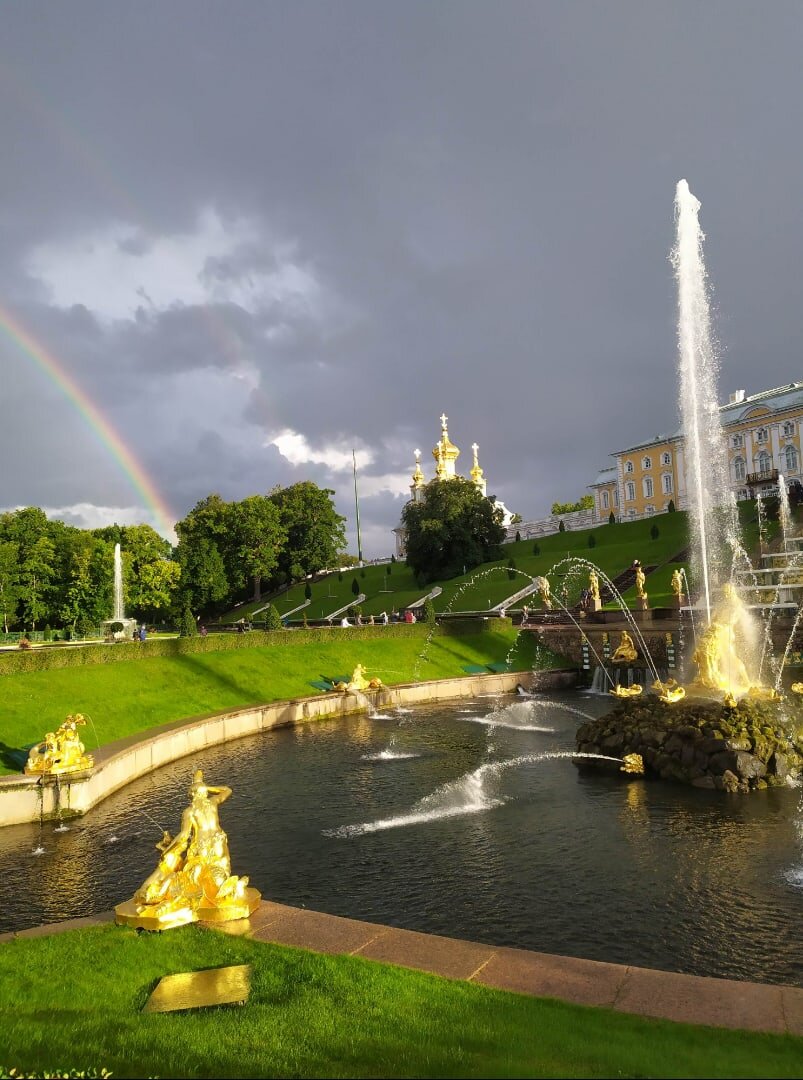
column 383, row 618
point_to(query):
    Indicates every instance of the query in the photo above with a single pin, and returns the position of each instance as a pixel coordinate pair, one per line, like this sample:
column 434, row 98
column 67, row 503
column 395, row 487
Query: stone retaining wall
column 26, row 798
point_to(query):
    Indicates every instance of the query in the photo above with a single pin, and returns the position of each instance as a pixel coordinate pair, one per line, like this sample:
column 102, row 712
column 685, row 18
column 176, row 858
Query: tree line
column 58, row 576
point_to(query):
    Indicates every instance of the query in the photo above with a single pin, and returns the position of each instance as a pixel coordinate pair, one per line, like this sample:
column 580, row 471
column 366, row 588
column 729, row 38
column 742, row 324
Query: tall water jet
column 712, row 518
column 118, row 611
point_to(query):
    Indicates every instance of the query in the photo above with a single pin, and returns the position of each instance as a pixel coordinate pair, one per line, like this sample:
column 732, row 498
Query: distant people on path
column 143, row 633
column 384, row 618
column 203, row 631
column 344, row 621
column 409, row 616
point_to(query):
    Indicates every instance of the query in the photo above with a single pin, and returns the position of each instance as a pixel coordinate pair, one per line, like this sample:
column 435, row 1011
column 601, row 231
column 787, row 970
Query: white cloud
column 387, row 483
column 295, row 448
column 119, row 270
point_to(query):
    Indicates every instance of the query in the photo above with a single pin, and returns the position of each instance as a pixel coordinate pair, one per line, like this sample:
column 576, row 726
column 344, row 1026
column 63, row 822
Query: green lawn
column 73, row 1001
column 132, row 696
column 616, row 546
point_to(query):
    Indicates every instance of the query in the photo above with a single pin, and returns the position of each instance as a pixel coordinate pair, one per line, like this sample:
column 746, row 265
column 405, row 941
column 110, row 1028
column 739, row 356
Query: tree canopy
column 451, row 528
column 585, row 502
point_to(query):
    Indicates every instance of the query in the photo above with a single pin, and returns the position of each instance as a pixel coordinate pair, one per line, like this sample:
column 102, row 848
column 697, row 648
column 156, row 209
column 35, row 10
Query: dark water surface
column 469, row 835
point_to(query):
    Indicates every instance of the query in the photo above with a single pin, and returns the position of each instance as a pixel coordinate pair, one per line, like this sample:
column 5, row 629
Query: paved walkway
column 691, row 999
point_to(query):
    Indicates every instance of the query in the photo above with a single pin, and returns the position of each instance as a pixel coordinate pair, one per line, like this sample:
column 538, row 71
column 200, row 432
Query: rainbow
column 23, row 340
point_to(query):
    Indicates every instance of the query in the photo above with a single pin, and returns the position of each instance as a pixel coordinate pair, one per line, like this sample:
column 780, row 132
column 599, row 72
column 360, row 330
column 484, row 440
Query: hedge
column 15, row 663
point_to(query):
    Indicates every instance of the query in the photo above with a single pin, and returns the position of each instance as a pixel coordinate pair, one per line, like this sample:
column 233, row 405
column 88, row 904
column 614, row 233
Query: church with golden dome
column 445, row 454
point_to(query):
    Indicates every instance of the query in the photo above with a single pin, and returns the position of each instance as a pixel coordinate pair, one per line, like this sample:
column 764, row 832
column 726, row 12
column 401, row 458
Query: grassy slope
column 616, row 548
column 128, row 697
column 316, row 1015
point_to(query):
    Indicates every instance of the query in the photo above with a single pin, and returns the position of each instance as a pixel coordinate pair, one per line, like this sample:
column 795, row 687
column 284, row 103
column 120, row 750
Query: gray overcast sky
column 260, row 234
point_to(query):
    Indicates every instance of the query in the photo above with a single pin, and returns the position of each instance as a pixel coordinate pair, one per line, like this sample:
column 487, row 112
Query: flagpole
column 357, row 508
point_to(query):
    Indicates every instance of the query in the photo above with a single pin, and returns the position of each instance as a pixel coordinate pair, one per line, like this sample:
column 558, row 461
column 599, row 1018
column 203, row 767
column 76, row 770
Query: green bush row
column 13, row 663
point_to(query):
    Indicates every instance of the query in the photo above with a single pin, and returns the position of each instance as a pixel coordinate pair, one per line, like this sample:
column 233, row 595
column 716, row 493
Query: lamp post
column 357, row 508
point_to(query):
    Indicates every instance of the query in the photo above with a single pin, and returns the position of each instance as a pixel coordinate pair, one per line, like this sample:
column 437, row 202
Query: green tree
column 671, row 508
column 85, row 602
column 511, row 568
column 585, row 502
column 308, row 591
column 259, row 538
column 314, row 531
column 592, row 540
column 611, row 518
column 561, row 526
column 187, row 627
column 355, row 587
column 536, row 548
column 35, row 577
column 450, row 527
column 654, row 532
column 203, row 537
column 430, row 617
column 273, row 620
column 150, row 574
column 10, row 587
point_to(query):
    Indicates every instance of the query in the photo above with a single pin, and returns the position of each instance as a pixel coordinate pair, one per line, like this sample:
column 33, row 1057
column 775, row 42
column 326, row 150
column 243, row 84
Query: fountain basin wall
column 26, row 798
column 703, row 743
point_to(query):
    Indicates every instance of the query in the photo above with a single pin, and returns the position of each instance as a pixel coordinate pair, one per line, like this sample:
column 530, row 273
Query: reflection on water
column 493, row 840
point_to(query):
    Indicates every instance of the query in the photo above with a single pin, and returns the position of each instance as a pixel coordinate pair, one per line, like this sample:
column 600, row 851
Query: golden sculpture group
column 60, row 751
column 193, row 879
column 359, row 681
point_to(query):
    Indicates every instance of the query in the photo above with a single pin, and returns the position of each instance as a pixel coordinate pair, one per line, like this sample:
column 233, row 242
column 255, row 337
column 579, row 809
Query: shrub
column 355, row 587
column 389, row 567
column 273, row 620
column 362, row 572
column 518, row 537
column 308, row 591
column 511, row 568
column 612, row 517
column 592, row 540
column 186, row 624
column 561, row 526
column 340, row 575
column 536, row 548
column 47, row 634
column 655, row 532
column 671, row 508
column 428, row 613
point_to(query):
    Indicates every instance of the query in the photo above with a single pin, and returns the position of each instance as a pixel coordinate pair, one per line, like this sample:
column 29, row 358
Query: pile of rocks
column 757, row 744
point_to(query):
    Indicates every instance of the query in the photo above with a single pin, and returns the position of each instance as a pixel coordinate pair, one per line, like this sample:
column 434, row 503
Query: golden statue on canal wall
column 193, row 880
column 60, row 751
column 625, row 651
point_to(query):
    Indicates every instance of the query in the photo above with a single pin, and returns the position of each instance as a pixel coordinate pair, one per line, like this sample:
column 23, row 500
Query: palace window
column 737, row 442
column 628, row 466
column 647, row 487
column 790, row 454
column 605, row 500
column 630, row 491
column 646, row 463
column 763, row 462
column 762, row 435
column 739, row 468
column 616, row 496
column 666, row 459
column 788, row 428
column 666, row 480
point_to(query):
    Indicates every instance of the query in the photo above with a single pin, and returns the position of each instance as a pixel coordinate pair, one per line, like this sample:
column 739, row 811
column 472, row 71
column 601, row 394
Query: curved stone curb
column 25, row 799
column 662, row 995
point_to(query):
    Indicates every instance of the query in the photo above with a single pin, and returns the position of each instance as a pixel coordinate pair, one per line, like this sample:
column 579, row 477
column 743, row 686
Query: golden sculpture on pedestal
column 193, row 880
column 544, row 593
column 632, row 763
column 627, row 691
column 625, row 650
column 61, row 751
column 677, row 585
column 593, row 588
column 358, row 681
column 719, row 667
column 641, row 579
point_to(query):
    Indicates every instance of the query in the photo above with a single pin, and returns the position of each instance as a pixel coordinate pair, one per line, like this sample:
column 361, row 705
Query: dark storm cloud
column 462, row 207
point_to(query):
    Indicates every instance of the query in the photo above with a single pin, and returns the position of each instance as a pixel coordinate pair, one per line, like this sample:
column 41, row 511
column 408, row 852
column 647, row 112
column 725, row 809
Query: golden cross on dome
column 475, row 448
column 444, row 418
column 417, row 454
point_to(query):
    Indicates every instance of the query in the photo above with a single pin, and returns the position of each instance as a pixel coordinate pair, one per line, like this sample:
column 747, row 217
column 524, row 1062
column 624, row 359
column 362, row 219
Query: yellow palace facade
column 761, row 433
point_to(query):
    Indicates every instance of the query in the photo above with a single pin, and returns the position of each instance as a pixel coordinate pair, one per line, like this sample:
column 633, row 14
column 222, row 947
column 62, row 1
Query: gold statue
column 640, row 580
column 627, row 691
column 632, row 763
column 625, row 650
column 677, row 585
column 544, row 593
column 593, row 587
column 797, row 687
column 193, row 880
column 61, row 751
column 719, row 667
column 358, row 681
column 669, row 691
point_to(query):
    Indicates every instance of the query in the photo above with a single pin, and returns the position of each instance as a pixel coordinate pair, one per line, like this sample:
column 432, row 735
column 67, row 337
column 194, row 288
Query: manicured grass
column 132, row 696
column 73, row 1000
column 615, row 549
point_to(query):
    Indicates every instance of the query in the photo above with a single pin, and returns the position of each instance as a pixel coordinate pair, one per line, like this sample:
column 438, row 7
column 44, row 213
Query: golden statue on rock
column 669, row 691
column 632, row 763
column 625, row 651
column 719, row 667
column 641, row 580
column 193, row 880
column 627, row 691
column 61, row 751
column 358, row 681
column 544, row 593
